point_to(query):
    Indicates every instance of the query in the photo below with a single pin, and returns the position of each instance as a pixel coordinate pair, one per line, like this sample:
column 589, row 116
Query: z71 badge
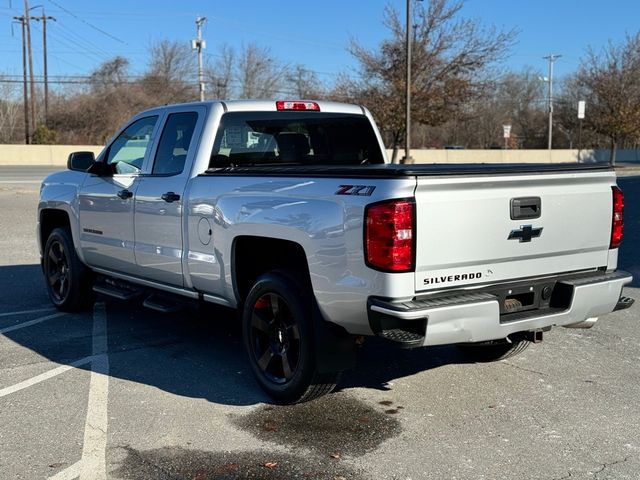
column 359, row 190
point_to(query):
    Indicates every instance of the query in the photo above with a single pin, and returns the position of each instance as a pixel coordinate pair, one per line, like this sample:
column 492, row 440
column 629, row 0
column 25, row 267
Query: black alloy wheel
column 57, row 268
column 278, row 330
column 275, row 338
column 69, row 282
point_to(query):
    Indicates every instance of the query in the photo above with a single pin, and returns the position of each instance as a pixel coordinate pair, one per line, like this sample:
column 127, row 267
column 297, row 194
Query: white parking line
column 31, row 322
column 10, row 314
column 93, row 464
column 94, row 451
column 44, row 376
column 69, row 473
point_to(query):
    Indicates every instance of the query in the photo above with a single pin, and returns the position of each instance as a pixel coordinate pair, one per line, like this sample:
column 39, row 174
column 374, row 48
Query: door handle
column 170, row 197
column 526, row 208
column 124, row 194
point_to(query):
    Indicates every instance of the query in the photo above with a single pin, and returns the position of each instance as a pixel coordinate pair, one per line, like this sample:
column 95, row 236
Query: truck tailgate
column 474, row 229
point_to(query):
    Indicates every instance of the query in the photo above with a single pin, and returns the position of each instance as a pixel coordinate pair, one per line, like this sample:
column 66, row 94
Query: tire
column 69, row 282
column 277, row 327
column 493, row 351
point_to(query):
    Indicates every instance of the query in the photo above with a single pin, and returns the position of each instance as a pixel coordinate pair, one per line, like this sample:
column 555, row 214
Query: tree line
column 461, row 97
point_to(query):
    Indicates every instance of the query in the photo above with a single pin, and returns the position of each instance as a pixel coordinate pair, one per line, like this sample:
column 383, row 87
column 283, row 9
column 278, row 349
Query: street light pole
column 552, row 58
column 407, row 134
column 198, row 44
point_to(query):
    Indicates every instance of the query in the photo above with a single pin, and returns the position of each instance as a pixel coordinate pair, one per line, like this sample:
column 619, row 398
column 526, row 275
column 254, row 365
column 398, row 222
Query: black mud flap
column 335, row 348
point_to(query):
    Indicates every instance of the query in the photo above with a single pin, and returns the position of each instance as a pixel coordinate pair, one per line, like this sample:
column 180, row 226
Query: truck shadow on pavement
column 194, row 353
column 629, row 255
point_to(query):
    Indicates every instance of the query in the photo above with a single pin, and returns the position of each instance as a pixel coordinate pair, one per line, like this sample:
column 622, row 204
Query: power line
column 87, row 23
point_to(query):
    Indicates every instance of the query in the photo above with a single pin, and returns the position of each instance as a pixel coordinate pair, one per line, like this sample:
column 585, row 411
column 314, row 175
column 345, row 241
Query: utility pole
column 552, row 58
column 407, row 133
column 198, row 44
column 44, row 19
column 24, row 80
column 27, row 21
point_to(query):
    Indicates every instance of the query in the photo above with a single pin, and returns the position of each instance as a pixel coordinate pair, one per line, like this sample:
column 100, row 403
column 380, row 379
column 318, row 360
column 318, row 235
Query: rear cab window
column 294, row 138
column 174, row 143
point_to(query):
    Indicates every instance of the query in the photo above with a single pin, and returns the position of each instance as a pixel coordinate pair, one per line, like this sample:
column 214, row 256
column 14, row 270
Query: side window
column 127, row 152
column 174, row 143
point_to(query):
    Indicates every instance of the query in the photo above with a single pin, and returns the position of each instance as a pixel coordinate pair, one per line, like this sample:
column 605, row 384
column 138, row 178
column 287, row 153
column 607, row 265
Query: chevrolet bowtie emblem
column 525, row 233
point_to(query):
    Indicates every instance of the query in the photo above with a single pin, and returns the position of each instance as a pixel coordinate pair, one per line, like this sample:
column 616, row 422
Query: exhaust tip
column 586, row 323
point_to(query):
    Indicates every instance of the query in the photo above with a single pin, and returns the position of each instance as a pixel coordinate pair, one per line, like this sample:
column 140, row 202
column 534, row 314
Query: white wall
column 517, row 156
column 50, row 155
column 56, row 155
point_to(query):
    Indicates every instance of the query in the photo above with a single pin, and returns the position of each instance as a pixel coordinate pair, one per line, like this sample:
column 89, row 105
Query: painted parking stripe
column 69, row 473
column 24, row 312
column 31, row 322
column 94, row 450
column 93, row 464
column 44, row 376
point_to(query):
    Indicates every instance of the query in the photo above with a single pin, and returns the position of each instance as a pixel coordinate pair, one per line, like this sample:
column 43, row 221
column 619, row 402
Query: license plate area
column 543, row 296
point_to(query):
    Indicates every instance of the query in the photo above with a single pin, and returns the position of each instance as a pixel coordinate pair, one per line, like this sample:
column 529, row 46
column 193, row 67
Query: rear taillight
column 389, row 236
column 297, row 105
column 617, row 223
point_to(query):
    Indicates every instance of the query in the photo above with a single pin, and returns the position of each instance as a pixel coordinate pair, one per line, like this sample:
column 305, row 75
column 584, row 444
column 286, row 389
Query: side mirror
column 101, row 169
column 80, row 161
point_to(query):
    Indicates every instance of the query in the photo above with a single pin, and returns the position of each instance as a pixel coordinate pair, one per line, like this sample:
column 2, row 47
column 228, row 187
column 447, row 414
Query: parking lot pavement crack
column 525, row 369
column 604, row 466
column 569, row 475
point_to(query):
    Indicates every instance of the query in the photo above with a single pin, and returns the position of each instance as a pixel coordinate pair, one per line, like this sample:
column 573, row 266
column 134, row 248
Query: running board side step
column 624, row 303
column 119, row 290
column 163, row 303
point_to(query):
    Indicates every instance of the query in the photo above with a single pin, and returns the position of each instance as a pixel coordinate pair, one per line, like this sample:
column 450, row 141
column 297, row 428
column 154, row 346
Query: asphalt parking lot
column 121, row 392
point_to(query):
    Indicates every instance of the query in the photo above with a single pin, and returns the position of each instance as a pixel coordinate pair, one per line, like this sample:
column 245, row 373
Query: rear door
column 159, row 198
column 486, row 229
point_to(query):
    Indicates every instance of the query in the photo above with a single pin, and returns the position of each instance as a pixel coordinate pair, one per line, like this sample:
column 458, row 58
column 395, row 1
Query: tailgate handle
column 524, row 208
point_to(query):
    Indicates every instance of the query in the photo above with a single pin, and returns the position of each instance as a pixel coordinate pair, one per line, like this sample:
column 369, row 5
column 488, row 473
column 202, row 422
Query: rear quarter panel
column 329, row 228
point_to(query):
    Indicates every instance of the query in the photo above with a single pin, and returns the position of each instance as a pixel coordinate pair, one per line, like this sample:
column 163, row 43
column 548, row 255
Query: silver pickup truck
column 290, row 212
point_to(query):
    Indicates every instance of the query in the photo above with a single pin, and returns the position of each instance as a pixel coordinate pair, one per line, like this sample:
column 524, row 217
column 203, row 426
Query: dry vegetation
column 459, row 95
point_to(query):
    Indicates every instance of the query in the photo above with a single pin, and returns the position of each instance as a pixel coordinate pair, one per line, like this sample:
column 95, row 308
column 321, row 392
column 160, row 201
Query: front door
column 107, row 202
column 159, row 199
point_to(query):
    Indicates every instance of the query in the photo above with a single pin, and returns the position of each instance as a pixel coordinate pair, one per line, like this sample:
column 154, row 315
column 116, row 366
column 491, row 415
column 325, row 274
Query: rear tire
column 69, row 282
column 277, row 327
column 492, row 351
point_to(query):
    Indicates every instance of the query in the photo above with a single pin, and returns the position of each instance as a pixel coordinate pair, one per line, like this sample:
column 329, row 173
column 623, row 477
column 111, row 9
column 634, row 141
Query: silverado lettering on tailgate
column 452, row 278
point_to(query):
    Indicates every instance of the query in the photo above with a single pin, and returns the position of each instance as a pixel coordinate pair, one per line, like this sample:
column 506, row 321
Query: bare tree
column 110, row 74
column 220, row 74
column 303, row 83
column 10, row 112
column 171, row 73
column 92, row 116
column 449, row 56
column 522, row 97
column 259, row 73
column 609, row 80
